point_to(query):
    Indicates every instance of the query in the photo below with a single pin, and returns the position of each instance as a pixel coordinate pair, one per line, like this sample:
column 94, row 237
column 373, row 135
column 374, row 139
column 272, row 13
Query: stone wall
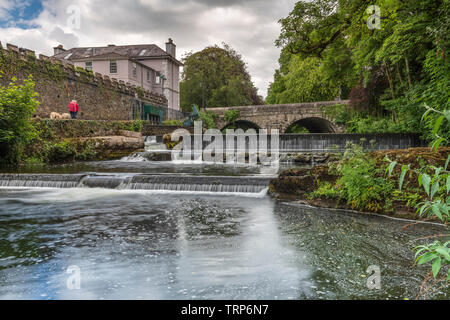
column 99, row 128
column 58, row 82
column 154, row 130
column 62, row 129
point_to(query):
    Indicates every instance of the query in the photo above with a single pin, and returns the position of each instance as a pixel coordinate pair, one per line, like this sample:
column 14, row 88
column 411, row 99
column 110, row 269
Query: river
column 162, row 244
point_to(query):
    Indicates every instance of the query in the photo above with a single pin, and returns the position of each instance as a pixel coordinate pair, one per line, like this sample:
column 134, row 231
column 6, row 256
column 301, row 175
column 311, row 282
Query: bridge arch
column 314, row 125
column 242, row 124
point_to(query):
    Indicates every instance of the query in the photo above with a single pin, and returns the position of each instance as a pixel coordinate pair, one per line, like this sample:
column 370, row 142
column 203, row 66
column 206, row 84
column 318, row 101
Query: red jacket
column 73, row 107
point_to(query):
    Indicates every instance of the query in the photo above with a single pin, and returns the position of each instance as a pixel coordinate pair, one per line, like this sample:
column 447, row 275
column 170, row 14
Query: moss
column 86, row 75
column 140, row 92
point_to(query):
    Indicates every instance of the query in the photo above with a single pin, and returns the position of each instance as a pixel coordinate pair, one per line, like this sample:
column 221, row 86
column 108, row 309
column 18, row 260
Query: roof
column 135, row 52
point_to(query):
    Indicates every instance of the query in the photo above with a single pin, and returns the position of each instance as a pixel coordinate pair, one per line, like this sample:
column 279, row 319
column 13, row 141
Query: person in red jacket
column 73, row 109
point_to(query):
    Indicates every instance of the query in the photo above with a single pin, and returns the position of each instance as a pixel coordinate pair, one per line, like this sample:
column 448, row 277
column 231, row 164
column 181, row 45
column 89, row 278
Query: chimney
column 59, row 49
column 171, row 48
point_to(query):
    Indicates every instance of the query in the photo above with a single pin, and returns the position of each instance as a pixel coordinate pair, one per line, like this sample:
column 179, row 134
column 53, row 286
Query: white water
column 159, row 183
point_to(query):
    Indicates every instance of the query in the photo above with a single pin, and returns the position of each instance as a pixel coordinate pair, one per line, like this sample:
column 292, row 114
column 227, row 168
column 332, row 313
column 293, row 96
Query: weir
column 323, row 142
column 200, row 183
column 241, row 184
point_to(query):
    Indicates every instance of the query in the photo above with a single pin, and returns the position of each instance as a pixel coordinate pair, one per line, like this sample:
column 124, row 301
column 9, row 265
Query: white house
column 146, row 65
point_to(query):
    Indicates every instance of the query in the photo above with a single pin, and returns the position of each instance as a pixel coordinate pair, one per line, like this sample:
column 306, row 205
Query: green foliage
column 216, row 77
column 399, row 68
column 326, row 190
column 297, row 129
column 304, row 82
column 209, row 119
column 140, row 92
column 178, row 123
column 135, row 125
column 340, row 113
column 18, row 102
column 436, row 185
column 232, row 115
column 59, row 152
column 83, row 71
column 437, row 254
column 437, row 189
column 360, row 183
column 411, row 199
column 54, row 71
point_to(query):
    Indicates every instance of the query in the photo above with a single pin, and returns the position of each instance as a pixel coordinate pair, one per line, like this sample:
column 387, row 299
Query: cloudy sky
column 249, row 26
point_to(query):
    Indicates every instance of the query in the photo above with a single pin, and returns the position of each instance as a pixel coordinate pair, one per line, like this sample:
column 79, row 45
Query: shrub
column 360, row 184
column 136, row 125
column 232, row 115
column 60, row 152
column 178, row 123
column 209, row 119
column 326, row 190
column 17, row 105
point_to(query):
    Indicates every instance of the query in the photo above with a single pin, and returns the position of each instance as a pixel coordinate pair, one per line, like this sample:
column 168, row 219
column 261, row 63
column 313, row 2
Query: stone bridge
column 283, row 116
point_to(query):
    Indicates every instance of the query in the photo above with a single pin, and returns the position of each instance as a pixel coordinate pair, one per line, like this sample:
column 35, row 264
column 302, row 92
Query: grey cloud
column 248, row 26
column 69, row 40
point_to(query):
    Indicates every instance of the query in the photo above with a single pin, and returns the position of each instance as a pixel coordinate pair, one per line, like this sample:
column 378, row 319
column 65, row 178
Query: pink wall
column 171, row 85
column 125, row 73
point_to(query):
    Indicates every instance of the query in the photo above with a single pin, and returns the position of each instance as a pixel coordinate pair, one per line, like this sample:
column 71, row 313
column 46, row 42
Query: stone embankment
column 78, row 140
column 127, row 141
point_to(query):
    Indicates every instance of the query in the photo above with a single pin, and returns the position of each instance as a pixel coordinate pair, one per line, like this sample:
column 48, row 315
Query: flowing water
column 190, row 231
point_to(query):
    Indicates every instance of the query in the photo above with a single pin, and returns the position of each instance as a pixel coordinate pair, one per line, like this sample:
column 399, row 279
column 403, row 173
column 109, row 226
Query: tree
column 216, row 77
column 304, row 82
column 17, row 105
column 389, row 73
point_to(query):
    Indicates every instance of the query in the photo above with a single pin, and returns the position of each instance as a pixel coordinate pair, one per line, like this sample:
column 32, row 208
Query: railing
column 172, row 114
column 154, row 114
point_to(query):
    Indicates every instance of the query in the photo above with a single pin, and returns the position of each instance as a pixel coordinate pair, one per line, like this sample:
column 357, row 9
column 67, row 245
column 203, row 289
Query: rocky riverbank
column 326, row 186
column 60, row 141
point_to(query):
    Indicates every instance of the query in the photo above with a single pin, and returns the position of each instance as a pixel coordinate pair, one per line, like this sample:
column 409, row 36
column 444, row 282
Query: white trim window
column 134, row 68
column 157, row 78
column 113, row 67
column 149, row 76
column 88, row 66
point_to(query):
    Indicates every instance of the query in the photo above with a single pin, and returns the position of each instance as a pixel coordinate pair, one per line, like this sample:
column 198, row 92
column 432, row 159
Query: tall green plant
column 360, row 182
column 437, row 189
column 231, row 116
column 18, row 102
column 209, row 119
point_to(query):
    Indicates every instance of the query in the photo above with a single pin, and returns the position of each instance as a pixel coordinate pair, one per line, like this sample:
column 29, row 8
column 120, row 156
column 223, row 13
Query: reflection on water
column 144, row 245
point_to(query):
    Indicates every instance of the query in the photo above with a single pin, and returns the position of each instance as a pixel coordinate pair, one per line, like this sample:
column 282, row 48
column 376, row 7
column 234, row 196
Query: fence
column 154, row 114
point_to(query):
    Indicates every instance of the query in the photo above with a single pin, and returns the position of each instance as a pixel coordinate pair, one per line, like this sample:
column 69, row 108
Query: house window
column 158, row 78
column 148, row 76
column 113, row 67
column 134, row 70
column 88, row 66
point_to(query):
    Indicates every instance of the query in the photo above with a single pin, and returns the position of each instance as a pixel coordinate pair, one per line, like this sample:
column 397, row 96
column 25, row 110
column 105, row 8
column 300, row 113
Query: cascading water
column 40, row 180
column 200, row 184
column 179, row 183
column 154, row 151
column 154, row 143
